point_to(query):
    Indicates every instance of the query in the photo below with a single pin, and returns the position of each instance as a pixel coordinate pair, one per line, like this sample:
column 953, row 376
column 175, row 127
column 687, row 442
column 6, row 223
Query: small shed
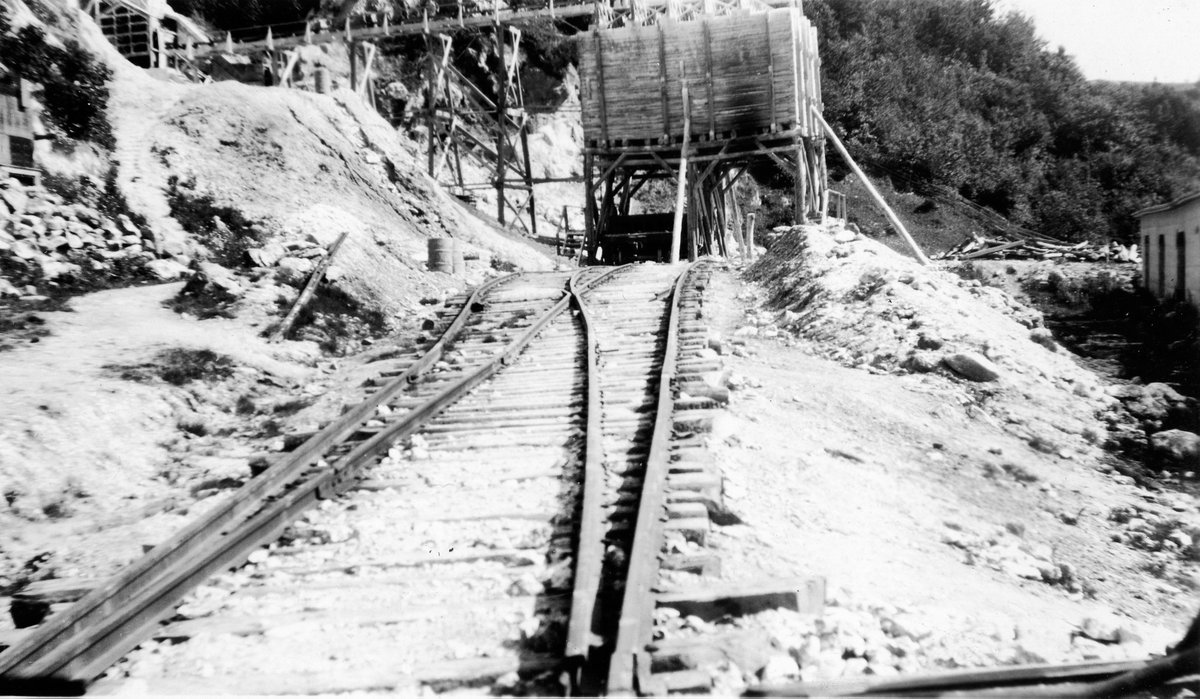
column 143, row 30
column 16, row 128
column 1170, row 236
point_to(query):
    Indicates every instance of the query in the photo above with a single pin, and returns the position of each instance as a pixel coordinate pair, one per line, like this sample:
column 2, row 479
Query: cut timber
column 309, row 289
column 804, row 595
column 887, row 210
column 968, row 681
column 10, row 637
column 681, row 190
column 366, row 616
column 31, row 605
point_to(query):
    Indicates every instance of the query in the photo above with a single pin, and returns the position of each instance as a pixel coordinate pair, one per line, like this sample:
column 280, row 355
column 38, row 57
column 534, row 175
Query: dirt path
column 82, row 448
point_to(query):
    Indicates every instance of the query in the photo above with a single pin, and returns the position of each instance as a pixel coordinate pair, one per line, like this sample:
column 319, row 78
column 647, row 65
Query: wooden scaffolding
column 698, row 93
column 486, row 115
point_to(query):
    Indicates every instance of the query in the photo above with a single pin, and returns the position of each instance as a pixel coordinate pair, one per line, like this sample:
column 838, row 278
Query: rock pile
column 856, row 302
column 856, row 639
column 1007, row 553
column 44, row 239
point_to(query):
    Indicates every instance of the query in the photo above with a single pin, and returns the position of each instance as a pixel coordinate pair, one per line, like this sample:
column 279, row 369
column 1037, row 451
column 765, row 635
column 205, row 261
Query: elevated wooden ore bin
column 751, row 81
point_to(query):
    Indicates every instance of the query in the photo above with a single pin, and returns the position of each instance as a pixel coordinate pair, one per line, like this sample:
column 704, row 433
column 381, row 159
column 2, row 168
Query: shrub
column 74, row 85
column 179, row 367
column 222, row 229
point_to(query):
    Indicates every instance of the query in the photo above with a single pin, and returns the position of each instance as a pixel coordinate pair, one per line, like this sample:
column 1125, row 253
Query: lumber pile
column 994, row 248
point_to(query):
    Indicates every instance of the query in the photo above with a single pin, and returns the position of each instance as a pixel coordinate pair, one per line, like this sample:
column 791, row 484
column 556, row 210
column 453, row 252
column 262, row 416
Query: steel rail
column 637, row 604
column 73, row 647
column 589, row 553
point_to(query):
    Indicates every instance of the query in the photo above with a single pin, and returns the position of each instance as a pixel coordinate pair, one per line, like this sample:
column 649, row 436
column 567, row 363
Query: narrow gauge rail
column 73, row 647
column 642, row 478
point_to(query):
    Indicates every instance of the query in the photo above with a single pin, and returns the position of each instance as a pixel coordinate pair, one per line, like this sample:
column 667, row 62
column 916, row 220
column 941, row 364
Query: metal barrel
column 444, row 255
column 321, row 79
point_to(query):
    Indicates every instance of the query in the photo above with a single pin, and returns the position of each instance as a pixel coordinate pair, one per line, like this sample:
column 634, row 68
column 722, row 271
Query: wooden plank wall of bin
column 746, row 73
column 752, row 82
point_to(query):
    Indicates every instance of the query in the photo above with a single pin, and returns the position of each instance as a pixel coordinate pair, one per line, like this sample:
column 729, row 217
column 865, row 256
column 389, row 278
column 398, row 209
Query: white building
column 1170, row 235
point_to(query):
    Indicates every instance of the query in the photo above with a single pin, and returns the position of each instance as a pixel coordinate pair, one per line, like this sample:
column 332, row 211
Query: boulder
column 929, row 341
column 1044, row 337
column 87, row 214
column 972, row 366
column 24, row 250
column 14, row 196
column 166, row 269
column 1158, row 405
column 845, row 236
column 293, row 270
column 920, row 362
column 267, row 255
column 128, row 226
column 779, row 668
column 52, row 268
column 1176, row 449
column 212, row 278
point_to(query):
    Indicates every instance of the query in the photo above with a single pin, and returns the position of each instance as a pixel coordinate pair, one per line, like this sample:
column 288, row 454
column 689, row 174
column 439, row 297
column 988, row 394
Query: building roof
column 1173, row 204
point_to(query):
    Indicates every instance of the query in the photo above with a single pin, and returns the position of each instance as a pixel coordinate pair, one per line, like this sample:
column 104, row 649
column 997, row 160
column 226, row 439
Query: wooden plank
column 989, row 251
column 55, row 590
column 804, row 595
column 879, row 200
column 363, row 615
column 309, row 289
column 10, row 637
column 680, row 189
column 959, row 680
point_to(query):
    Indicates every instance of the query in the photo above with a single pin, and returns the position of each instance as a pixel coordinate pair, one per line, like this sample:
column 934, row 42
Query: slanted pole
column 887, row 210
column 681, row 189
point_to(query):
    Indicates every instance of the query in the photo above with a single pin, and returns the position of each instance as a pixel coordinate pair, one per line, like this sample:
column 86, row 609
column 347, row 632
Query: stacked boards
column 745, row 73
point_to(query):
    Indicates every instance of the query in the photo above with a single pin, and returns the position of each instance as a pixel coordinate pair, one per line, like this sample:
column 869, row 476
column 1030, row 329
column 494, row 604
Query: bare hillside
column 299, row 165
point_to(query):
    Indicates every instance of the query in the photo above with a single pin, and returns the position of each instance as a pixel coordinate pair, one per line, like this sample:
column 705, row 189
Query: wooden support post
column 737, row 221
column 529, row 178
column 680, row 190
column 708, row 79
column 662, row 84
column 600, row 87
column 750, row 236
column 590, row 234
column 309, row 289
column 887, row 210
column 431, row 104
column 799, row 215
column 501, row 118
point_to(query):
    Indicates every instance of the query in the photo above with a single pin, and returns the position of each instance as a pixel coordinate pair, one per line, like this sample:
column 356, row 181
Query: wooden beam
column 677, row 225
column 879, row 200
column 309, row 289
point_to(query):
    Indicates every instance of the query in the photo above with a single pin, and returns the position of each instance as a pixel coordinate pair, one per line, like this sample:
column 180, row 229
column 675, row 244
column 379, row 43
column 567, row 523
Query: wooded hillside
column 955, row 93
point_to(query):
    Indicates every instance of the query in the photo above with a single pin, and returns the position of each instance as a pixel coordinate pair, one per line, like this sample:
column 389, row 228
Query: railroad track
column 609, row 396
